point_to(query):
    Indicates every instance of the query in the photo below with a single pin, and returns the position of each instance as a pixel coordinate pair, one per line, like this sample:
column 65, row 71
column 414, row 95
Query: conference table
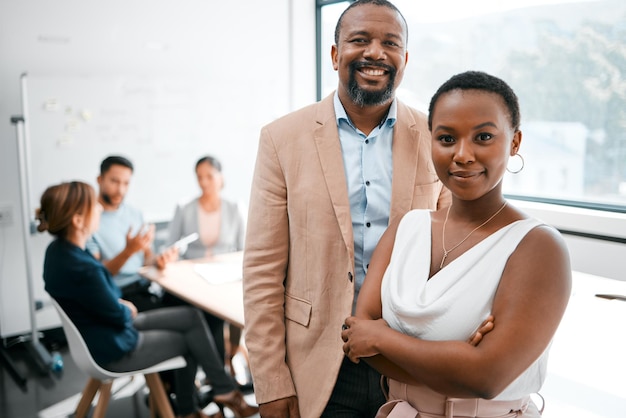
column 587, row 366
column 211, row 284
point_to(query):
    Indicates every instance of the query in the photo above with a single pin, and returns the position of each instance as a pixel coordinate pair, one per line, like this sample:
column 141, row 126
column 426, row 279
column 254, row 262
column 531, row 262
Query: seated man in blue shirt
column 124, row 242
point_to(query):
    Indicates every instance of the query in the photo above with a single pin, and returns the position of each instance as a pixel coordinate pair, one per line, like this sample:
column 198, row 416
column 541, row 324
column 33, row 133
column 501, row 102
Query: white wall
column 592, row 256
column 259, row 55
column 262, row 53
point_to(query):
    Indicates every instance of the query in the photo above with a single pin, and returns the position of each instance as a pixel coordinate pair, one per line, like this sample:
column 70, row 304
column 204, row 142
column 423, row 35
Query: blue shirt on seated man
column 123, row 242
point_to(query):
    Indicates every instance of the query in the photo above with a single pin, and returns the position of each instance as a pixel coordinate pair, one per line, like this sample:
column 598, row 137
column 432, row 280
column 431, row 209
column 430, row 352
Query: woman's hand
column 485, row 328
column 360, row 336
column 131, row 306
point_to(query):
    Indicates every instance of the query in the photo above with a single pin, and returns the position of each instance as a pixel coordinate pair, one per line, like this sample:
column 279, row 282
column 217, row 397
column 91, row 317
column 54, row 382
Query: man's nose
column 374, row 50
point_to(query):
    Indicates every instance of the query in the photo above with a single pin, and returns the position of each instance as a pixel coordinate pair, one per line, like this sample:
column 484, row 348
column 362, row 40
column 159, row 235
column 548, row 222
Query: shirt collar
column 340, row 113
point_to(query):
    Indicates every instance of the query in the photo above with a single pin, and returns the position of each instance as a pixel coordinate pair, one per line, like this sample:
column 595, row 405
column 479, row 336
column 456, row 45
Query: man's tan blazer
column 299, row 252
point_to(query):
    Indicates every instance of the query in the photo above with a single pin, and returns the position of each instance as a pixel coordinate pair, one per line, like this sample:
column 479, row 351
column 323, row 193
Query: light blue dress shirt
column 110, row 240
column 367, row 162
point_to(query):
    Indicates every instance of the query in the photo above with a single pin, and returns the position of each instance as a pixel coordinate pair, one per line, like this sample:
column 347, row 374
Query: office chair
column 101, row 379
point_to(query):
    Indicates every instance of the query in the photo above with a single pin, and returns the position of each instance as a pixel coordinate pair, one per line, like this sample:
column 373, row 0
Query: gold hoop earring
column 521, row 166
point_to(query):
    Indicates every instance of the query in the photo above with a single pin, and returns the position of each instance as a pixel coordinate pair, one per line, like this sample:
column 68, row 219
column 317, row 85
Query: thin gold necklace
column 443, row 233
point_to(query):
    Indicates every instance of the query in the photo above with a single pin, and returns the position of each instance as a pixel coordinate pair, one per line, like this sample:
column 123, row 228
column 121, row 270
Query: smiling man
column 328, row 179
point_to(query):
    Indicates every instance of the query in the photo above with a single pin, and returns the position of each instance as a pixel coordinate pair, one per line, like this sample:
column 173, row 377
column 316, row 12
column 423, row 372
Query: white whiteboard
column 163, row 125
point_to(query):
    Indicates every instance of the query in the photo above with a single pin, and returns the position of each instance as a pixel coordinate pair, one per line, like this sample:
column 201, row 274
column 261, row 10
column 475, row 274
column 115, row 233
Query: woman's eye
column 484, row 137
column 446, row 139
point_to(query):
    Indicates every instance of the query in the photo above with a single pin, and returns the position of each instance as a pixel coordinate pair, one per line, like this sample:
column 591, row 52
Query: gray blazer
column 185, row 222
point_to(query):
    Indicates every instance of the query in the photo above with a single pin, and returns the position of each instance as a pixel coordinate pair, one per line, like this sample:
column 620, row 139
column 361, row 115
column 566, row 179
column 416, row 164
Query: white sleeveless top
column 457, row 299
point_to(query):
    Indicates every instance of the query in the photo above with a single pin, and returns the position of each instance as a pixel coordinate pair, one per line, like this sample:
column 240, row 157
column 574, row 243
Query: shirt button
column 367, row 183
column 368, row 224
column 367, row 141
column 350, row 276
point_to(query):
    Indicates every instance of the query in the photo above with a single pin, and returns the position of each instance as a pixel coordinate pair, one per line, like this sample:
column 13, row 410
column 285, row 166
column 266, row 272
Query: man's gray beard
column 363, row 98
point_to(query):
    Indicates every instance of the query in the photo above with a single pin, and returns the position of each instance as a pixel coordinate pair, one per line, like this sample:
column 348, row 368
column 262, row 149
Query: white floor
column 123, row 387
column 127, row 387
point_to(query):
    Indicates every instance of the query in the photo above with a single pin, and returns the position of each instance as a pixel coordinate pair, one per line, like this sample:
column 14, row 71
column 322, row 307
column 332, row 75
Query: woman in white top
column 221, row 228
column 435, row 275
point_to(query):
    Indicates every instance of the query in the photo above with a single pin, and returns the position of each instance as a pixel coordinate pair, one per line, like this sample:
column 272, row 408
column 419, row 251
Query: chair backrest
column 78, row 348
column 83, row 359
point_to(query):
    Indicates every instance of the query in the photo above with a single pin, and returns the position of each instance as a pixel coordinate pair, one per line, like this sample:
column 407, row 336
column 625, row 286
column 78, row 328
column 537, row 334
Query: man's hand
column 141, row 241
column 280, row 408
column 167, row 256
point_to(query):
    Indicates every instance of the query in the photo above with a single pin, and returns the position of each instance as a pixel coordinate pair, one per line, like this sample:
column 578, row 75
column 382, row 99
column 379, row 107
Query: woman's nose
column 463, row 152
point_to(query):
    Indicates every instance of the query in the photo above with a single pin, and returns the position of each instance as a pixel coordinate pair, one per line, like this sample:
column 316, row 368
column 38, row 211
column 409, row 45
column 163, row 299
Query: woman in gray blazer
column 219, row 222
column 220, row 226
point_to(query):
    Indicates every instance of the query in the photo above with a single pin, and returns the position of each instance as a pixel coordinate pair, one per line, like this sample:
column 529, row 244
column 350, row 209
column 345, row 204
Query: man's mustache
column 362, row 64
column 106, row 198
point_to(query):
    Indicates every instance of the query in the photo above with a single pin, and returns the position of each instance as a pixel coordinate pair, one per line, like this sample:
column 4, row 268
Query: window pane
column 565, row 60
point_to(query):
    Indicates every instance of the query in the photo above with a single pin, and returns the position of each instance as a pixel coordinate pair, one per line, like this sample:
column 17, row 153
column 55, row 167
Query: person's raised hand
column 141, row 241
column 280, row 408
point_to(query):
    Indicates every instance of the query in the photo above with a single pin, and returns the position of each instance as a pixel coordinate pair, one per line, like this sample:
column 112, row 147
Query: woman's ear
column 516, row 143
column 78, row 221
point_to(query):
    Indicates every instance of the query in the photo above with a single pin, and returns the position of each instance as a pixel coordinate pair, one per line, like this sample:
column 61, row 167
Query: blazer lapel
column 330, row 156
column 406, row 137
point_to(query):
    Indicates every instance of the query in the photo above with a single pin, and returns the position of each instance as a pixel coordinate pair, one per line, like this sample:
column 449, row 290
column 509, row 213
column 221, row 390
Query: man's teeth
column 372, row 71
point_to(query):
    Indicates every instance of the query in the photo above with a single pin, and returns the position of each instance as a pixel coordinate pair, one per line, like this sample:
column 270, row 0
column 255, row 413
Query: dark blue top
column 85, row 290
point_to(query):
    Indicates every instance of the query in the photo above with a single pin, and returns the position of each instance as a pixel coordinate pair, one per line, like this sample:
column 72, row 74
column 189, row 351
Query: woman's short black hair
column 478, row 80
